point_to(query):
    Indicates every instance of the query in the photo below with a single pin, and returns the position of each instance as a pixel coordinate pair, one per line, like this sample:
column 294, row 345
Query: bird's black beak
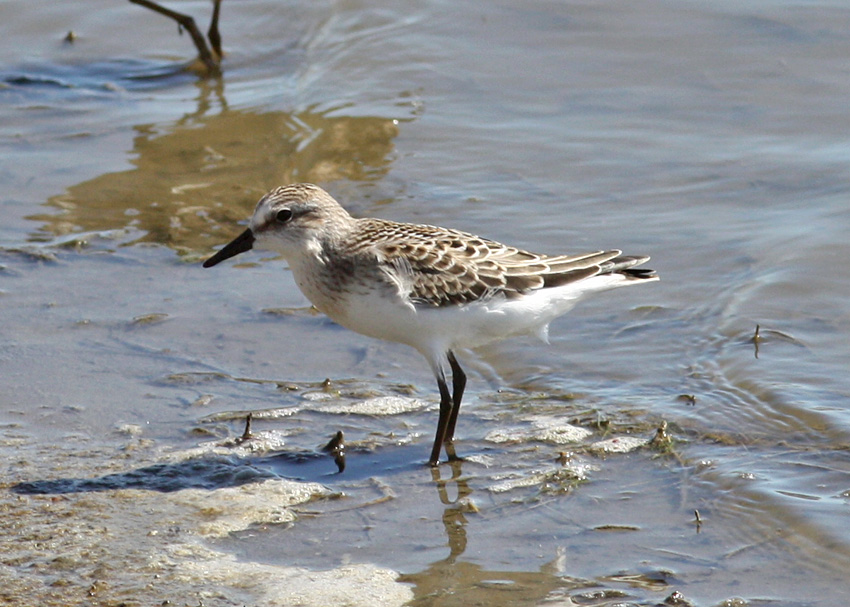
column 240, row 244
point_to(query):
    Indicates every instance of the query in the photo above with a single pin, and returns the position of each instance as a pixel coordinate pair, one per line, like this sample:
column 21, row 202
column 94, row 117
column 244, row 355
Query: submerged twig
column 210, row 59
column 212, row 33
column 661, row 440
column 247, row 435
column 690, row 399
column 763, row 336
column 336, row 447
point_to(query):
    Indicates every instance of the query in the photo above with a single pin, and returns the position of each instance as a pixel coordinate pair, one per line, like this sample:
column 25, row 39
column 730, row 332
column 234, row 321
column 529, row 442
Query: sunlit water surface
column 710, row 135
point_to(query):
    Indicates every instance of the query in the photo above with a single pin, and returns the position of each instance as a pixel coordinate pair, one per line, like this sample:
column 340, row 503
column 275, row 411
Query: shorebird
column 435, row 289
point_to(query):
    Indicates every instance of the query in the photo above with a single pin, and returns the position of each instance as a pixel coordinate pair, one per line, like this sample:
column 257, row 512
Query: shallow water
column 709, row 135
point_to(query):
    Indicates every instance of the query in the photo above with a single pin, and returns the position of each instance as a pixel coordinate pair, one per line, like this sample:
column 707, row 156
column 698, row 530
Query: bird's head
column 291, row 220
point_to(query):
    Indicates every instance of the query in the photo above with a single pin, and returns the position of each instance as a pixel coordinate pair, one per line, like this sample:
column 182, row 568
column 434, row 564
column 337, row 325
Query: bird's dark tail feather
column 624, row 264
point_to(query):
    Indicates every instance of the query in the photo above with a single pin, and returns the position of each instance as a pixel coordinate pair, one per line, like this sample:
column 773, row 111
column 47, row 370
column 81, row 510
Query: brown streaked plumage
column 435, row 289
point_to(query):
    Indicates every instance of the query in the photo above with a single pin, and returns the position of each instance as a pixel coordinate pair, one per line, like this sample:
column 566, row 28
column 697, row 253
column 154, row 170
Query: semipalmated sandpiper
column 432, row 288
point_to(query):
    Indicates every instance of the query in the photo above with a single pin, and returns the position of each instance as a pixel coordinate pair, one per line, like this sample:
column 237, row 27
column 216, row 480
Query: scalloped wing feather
column 439, row 266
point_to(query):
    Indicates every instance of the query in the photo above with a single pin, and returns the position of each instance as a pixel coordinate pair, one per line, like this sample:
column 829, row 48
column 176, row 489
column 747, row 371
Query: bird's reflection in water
column 455, row 580
column 454, row 516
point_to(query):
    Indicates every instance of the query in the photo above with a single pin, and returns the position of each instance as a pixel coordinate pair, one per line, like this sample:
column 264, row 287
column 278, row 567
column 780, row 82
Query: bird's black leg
column 458, row 385
column 445, row 416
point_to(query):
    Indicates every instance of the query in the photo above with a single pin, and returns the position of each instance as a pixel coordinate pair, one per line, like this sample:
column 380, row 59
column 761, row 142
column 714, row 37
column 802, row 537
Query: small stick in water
column 246, row 435
column 210, row 59
column 336, row 446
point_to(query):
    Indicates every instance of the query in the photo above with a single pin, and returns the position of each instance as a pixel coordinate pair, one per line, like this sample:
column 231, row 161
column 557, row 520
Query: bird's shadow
column 208, row 472
column 216, row 471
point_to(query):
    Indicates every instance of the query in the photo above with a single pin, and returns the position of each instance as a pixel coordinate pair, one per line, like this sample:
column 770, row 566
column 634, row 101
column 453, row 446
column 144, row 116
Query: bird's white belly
column 433, row 330
column 393, row 320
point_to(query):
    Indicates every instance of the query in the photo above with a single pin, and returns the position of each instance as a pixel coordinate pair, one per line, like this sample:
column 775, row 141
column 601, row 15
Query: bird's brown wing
column 442, row 267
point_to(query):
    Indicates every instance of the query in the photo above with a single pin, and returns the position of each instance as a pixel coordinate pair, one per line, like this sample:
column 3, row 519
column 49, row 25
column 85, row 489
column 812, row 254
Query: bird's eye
column 283, row 216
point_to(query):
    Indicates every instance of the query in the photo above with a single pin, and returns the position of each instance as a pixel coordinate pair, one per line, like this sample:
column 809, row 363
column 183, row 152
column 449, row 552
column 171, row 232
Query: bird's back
column 425, row 285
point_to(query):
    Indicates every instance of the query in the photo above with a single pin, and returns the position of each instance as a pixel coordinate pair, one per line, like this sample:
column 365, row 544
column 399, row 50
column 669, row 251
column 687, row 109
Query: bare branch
column 188, row 23
column 212, row 34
